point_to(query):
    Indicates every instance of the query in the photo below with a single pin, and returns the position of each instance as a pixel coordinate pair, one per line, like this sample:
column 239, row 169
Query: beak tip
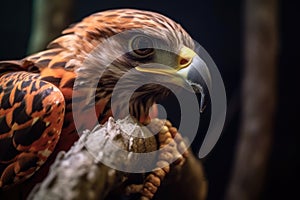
column 199, row 74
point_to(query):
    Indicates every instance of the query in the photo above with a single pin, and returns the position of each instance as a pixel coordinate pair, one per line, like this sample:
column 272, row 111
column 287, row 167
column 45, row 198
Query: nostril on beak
column 183, row 62
column 185, row 57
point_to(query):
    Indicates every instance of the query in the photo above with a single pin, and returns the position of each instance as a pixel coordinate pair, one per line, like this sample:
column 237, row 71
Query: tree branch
column 259, row 99
column 49, row 18
column 80, row 173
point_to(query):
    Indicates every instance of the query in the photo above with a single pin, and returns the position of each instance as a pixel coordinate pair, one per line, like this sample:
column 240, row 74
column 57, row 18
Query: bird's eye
column 142, row 46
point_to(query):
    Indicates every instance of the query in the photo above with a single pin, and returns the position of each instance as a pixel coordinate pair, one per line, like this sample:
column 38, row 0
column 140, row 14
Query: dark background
column 218, row 26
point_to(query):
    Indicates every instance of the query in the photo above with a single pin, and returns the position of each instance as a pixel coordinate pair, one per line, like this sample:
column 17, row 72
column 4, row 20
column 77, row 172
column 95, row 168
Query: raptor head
column 144, row 55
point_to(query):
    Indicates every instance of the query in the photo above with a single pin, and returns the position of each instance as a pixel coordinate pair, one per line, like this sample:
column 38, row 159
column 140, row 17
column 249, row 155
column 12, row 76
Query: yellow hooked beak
column 185, row 58
column 189, row 66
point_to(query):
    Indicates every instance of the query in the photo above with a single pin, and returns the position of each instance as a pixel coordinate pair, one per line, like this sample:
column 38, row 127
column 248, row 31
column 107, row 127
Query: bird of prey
column 40, row 94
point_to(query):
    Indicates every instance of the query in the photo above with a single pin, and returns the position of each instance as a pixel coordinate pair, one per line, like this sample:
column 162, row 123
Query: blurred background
column 221, row 28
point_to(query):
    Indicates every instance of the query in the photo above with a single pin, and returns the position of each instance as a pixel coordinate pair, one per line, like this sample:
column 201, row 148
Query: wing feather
column 31, row 119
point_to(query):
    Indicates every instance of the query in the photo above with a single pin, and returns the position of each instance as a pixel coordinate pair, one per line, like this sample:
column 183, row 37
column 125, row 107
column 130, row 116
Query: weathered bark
column 49, row 18
column 258, row 101
column 80, row 173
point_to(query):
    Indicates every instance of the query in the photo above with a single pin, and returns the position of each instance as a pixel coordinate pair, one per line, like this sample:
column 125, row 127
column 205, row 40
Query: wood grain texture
column 80, row 174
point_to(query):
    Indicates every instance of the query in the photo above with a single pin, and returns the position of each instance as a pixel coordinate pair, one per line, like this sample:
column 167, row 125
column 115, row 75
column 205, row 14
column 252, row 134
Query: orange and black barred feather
column 37, row 96
column 31, row 119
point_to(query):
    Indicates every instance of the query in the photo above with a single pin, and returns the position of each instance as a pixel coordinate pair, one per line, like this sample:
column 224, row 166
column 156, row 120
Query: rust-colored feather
column 36, row 104
column 31, row 119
